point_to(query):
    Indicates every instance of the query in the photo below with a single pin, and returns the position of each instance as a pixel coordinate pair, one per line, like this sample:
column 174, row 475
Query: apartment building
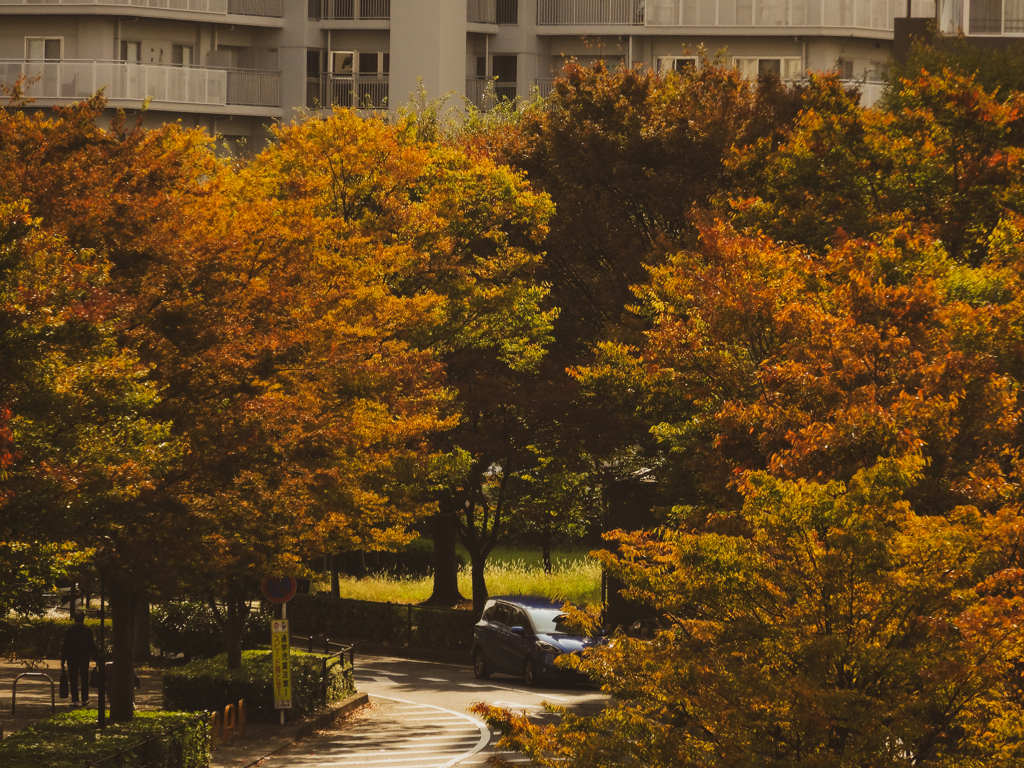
column 234, row 66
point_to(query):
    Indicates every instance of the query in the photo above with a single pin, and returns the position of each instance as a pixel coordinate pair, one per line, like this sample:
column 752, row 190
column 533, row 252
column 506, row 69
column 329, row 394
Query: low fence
column 177, row 747
column 410, row 626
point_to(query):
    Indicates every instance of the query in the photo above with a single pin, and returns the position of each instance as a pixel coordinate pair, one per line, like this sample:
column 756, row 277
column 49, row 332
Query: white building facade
column 234, row 66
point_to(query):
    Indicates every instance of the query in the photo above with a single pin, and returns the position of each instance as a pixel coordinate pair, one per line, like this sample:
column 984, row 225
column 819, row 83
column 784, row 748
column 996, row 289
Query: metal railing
column 841, row 14
column 254, row 88
column 508, row 11
column 482, row 11
column 124, row 81
column 120, row 80
column 597, row 12
column 331, row 659
column 355, row 91
column 271, row 8
column 350, row 10
column 14, row 690
column 195, row 6
column 143, row 754
column 544, row 86
column 483, row 93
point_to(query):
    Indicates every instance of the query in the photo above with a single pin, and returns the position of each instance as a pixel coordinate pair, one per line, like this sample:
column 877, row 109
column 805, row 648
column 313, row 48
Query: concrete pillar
column 428, row 41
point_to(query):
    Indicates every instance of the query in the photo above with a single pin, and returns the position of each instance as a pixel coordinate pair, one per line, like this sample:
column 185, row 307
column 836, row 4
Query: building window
column 314, row 63
column 666, row 64
column 787, row 68
column 181, row 55
column 505, row 69
column 507, row 11
column 994, row 17
column 131, row 51
column 373, row 63
column 342, row 62
column 44, row 48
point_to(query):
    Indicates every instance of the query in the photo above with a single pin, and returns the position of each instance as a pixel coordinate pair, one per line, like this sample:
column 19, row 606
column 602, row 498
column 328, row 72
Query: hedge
column 37, row 637
column 150, row 739
column 389, row 623
column 208, row 684
column 189, row 629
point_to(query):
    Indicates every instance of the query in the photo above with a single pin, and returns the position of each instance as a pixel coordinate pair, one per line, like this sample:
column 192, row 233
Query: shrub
column 40, row 637
column 190, row 629
column 208, row 684
column 71, row 739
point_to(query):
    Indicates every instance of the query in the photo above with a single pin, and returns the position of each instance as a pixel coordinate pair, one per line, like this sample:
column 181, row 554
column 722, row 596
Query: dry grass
column 575, row 577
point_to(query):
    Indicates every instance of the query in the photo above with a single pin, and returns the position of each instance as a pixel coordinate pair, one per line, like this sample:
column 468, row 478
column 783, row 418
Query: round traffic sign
column 279, row 590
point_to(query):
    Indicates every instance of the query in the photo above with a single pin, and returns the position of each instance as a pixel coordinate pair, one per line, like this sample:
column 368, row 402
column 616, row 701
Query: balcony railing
column 843, row 14
column 484, row 92
column 354, row 91
column 195, row 6
column 482, row 11
column 598, row 12
column 252, row 88
column 350, row 10
column 271, row 8
column 123, row 81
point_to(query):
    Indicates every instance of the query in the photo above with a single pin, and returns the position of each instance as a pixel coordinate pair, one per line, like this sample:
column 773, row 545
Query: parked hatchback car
column 519, row 635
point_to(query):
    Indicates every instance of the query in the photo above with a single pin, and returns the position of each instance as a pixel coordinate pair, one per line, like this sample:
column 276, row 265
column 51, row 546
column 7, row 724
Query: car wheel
column 530, row 676
column 480, row 669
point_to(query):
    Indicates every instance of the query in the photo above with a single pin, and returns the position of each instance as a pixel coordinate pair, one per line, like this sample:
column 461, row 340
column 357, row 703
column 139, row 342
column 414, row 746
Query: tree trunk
column 547, row 549
column 140, row 639
column 478, row 561
column 446, row 567
column 121, row 684
column 234, row 628
column 335, row 580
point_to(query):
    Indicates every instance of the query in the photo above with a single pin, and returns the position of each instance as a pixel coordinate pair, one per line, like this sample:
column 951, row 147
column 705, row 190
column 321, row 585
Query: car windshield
column 548, row 621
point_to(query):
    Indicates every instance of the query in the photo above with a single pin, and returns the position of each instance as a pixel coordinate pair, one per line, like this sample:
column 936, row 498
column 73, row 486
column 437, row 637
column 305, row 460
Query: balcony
column 350, row 91
column 483, row 93
column 193, row 6
column 165, row 87
column 763, row 14
column 482, row 11
column 350, row 10
column 270, row 8
column 591, row 12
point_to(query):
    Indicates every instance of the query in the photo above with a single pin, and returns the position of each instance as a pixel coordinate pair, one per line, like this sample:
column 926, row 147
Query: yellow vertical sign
column 282, row 664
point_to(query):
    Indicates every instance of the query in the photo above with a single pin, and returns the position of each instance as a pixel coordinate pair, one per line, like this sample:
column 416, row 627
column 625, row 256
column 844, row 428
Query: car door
column 488, row 634
column 518, row 643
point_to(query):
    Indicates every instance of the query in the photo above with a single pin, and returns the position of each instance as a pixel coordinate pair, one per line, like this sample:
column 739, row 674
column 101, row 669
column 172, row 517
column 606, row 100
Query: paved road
column 418, row 719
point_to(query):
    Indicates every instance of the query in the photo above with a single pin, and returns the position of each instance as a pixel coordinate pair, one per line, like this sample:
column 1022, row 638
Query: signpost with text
column 281, row 659
column 280, row 591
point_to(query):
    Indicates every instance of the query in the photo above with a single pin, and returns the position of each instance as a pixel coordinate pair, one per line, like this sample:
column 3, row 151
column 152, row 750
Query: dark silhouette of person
column 78, row 648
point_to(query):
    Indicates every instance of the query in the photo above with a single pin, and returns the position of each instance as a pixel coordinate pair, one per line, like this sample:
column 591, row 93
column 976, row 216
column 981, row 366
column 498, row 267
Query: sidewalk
column 261, row 740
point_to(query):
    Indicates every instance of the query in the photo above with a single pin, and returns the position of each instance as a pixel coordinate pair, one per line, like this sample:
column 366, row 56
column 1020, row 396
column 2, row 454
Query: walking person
column 78, row 648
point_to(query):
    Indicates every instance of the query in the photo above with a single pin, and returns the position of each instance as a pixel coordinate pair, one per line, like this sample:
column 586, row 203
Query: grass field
column 575, row 577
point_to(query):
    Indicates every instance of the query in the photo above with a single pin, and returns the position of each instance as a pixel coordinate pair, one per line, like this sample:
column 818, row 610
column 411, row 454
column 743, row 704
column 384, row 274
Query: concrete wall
column 428, row 41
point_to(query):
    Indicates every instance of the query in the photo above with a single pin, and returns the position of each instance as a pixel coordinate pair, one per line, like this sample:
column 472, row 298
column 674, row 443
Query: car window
column 500, row 615
column 489, row 612
column 518, row 619
column 548, row 621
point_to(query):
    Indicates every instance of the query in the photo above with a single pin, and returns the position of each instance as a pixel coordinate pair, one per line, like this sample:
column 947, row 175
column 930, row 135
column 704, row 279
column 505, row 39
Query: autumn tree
column 79, row 441
column 943, row 153
column 838, row 427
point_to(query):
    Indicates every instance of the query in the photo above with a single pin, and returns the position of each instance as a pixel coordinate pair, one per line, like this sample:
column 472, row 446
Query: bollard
column 227, row 729
column 214, row 730
column 240, row 725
